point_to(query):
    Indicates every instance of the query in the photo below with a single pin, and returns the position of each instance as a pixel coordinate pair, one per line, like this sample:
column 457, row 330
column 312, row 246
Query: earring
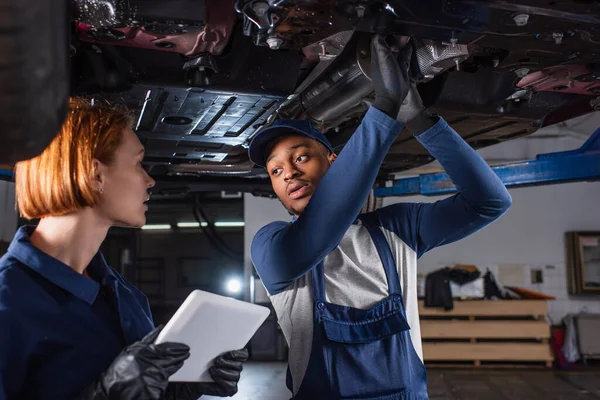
column 101, row 190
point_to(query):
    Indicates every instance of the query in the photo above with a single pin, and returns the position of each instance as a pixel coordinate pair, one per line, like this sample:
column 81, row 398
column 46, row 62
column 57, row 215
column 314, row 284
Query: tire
column 34, row 75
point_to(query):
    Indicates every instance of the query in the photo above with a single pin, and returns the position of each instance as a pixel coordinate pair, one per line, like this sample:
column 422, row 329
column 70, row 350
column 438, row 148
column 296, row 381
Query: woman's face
column 125, row 184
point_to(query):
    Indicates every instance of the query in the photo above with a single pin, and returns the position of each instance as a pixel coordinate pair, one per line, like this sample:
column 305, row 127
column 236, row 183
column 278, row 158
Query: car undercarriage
column 202, row 77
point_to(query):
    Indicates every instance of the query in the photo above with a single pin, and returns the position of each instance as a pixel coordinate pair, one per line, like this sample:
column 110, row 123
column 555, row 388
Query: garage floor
column 266, row 381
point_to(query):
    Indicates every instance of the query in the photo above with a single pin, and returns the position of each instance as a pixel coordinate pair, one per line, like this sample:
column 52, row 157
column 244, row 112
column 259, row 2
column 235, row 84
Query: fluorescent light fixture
column 234, row 286
column 229, row 224
column 190, row 224
column 156, row 227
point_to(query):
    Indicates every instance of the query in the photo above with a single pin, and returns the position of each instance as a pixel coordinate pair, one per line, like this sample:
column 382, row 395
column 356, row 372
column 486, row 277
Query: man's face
column 296, row 165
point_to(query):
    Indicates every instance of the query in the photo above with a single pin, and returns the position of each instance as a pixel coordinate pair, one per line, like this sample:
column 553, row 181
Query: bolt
column 260, row 8
column 323, row 48
column 522, row 72
column 457, row 62
column 274, row 43
column 453, row 39
column 558, row 37
column 496, row 62
column 360, row 11
column 521, row 19
column 453, row 42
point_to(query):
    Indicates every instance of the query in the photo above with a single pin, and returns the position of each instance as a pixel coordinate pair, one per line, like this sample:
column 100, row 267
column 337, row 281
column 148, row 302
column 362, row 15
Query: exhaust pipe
column 343, row 90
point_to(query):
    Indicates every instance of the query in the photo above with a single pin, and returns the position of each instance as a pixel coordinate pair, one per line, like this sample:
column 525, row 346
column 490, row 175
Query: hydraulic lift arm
column 582, row 164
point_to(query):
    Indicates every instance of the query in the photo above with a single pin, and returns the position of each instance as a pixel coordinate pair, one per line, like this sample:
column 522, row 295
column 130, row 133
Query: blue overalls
column 363, row 354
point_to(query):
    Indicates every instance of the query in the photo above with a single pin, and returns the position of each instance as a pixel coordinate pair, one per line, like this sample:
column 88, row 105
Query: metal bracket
column 582, row 164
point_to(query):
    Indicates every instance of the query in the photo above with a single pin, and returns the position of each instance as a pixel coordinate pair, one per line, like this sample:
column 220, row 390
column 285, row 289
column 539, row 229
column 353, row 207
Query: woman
column 70, row 326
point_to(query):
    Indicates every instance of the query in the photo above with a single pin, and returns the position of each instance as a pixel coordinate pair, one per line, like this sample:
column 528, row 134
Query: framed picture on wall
column 583, row 262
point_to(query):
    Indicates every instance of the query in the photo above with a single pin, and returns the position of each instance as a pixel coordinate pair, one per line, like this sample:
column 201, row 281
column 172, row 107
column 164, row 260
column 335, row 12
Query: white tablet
column 210, row 325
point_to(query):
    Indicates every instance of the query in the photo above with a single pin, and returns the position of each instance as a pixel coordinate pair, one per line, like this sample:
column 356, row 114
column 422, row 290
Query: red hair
column 58, row 181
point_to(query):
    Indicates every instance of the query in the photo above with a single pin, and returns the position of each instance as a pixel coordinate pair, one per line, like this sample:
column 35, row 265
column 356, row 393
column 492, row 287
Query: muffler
column 344, row 89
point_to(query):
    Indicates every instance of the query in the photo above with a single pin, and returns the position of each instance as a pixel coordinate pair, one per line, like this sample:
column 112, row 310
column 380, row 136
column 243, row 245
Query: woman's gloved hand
column 389, row 74
column 225, row 373
column 141, row 371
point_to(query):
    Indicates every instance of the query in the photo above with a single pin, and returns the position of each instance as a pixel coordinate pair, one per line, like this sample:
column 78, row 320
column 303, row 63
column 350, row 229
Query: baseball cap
column 258, row 145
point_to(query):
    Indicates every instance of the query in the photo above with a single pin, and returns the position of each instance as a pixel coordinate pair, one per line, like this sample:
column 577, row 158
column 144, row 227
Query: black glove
column 225, row 373
column 389, row 75
column 413, row 114
column 141, row 371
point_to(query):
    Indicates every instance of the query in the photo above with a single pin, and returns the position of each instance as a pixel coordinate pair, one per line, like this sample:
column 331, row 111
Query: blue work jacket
column 59, row 330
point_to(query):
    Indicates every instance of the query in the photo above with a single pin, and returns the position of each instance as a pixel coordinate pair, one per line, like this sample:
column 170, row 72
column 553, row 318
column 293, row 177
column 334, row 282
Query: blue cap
column 259, row 144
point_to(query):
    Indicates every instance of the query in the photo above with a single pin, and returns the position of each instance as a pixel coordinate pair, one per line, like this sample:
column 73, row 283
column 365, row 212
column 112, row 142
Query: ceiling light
column 229, row 224
column 156, row 227
column 190, row 224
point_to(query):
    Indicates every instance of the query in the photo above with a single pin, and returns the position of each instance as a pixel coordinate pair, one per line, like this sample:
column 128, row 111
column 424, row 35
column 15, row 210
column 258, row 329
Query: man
column 344, row 289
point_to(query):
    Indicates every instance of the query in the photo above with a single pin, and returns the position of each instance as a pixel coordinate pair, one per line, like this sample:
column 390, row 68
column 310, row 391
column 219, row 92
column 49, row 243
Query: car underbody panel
column 203, row 77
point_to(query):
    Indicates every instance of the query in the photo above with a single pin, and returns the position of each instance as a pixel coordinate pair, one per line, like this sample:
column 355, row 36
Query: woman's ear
column 97, row 175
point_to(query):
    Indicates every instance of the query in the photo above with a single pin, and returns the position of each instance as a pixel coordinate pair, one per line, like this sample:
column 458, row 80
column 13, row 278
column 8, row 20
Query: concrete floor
column 261, row 381
column 266, row 381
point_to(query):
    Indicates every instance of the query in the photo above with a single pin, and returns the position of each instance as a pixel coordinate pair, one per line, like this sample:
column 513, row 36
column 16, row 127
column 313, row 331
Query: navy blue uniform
column 59, row 330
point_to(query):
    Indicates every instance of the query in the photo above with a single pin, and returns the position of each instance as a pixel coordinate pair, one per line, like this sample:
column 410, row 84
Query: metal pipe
column 333, row 94
column 340, row 91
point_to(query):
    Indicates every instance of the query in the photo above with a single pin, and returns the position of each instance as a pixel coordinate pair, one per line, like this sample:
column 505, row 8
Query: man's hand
column 411, row 107
column 413, row 114
column 389, row 75
column 225, row 373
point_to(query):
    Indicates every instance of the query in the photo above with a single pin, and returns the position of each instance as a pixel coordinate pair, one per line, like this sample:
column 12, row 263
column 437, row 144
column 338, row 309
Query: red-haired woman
column 70, row 326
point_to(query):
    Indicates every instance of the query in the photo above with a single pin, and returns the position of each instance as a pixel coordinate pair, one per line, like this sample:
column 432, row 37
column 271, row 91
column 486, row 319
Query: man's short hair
column 58, row 181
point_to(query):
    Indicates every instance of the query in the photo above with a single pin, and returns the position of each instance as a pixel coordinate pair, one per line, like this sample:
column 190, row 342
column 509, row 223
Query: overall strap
column 371, row 222
column 318, row 282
